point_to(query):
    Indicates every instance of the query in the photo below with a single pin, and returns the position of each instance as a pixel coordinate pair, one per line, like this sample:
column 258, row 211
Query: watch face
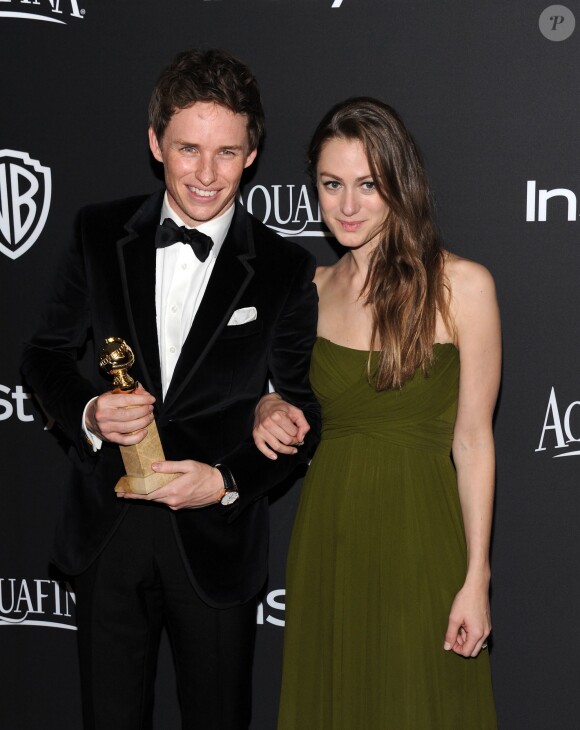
column 230, row 498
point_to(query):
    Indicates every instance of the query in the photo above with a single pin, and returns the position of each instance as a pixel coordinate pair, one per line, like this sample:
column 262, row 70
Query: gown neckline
column 355, row 349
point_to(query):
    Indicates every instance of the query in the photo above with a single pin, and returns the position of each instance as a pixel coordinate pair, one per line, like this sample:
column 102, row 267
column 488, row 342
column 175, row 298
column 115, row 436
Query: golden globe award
column 115, row 358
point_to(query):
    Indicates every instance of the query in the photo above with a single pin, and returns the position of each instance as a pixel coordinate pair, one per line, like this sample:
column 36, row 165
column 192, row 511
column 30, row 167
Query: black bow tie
column 169, row 233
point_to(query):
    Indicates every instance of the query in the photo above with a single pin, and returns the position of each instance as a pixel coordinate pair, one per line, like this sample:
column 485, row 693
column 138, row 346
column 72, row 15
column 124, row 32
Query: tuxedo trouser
column 137, row 585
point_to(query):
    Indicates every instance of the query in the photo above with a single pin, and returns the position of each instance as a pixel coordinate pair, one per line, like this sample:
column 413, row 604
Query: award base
column 140, row 477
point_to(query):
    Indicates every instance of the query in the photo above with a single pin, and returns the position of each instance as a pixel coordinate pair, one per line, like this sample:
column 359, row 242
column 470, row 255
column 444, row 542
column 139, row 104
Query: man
column 208, row 328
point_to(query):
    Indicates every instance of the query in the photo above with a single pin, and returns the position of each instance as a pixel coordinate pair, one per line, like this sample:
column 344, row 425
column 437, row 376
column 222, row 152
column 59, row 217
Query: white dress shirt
column 180, row 283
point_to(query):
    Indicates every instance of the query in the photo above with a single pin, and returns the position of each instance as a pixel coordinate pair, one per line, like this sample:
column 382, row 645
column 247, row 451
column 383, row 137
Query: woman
column 388, row 571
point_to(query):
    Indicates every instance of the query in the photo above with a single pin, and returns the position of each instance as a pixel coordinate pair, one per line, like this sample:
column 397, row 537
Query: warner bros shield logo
column 25, row 189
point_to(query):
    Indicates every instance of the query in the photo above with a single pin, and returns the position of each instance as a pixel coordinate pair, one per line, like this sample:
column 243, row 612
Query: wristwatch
column 231, row 493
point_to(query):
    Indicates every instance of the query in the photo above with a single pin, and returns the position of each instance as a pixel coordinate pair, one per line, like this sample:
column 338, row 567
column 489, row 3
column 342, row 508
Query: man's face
column 204, row 151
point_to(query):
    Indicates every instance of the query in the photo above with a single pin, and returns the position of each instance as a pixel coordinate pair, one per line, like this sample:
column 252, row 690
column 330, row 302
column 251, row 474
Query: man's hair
column 207, row 75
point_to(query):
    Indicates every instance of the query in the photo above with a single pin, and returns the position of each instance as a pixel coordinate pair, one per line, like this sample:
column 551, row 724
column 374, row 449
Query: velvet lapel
column 137, row 257
column 229, row 278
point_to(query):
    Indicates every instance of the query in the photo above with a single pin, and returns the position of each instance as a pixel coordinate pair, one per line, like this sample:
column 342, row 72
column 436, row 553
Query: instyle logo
column 51, row 11
column 557, row 429
column 36, row 602
column 286, row 209
column 14, row 403
column 25, row 191
column 272, row 603
column 537, row 202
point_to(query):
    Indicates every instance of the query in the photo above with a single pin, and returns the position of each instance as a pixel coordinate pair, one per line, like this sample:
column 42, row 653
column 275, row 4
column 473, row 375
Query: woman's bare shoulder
column 474, row 307
column 466, row 277
column 323, row 274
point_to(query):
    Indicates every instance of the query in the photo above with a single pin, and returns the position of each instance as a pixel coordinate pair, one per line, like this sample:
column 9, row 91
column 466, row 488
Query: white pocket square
column 243, row 316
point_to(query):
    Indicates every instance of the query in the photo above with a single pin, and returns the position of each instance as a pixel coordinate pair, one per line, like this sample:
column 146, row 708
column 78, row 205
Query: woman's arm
column 476, row 316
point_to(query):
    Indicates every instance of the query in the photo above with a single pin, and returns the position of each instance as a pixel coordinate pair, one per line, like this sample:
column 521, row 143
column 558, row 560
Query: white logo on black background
column 44, row 602
column 537, row 202
column 557, row 22
column 25, row 190
column 38, row 602
column 7, row 408
column 286, row 209
column 336, row 3
column 558, row 428
column 47, row 10
column 274, row 601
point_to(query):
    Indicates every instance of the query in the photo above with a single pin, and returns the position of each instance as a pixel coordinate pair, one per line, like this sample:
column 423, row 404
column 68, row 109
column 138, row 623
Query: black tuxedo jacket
column 106, row 288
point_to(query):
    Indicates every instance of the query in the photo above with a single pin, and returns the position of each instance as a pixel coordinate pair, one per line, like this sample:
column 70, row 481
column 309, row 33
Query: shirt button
column 172, row 350
column 174, row 308
column 184, row 266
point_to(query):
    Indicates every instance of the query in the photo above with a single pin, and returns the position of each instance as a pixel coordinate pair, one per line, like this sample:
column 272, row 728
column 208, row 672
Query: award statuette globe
column 115, row 358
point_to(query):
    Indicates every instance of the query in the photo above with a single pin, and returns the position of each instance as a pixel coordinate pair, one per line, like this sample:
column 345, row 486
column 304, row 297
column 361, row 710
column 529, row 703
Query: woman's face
column 350, row 203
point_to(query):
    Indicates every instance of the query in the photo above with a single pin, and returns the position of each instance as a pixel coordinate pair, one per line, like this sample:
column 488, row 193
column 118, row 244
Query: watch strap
column 229, row 481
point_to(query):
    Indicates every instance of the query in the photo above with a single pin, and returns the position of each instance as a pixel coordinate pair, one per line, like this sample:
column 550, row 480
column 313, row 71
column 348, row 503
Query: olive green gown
column 376, row 558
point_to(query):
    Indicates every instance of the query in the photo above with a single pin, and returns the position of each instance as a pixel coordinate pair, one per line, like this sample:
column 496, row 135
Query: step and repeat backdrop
column 490, row 91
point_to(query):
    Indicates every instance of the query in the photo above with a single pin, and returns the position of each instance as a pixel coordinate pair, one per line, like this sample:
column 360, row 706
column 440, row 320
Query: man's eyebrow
column 185, row 143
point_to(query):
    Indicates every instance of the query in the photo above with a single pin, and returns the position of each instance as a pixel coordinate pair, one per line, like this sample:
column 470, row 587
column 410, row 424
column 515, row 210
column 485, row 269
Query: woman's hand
column 469, row 621
column 278, row 426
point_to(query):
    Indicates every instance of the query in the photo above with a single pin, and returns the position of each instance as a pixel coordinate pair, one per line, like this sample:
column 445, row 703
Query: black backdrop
column 490, row 90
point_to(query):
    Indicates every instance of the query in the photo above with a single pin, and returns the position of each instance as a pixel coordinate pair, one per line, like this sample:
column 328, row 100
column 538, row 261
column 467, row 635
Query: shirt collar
column 216, row 228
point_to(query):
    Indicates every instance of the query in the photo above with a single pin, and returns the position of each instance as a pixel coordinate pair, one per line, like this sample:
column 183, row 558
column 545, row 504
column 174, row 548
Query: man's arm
column 50, row 356
column 290, row 354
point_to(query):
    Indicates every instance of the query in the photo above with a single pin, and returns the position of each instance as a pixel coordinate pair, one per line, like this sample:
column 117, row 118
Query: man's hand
column 121, row 418
column 197, row 485
column 278, row 426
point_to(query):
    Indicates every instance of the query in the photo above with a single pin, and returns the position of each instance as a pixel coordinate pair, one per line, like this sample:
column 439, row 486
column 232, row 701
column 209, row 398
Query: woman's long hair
column 405, row 284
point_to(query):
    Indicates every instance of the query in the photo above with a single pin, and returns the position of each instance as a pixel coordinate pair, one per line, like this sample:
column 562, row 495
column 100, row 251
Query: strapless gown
column 376, row 558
